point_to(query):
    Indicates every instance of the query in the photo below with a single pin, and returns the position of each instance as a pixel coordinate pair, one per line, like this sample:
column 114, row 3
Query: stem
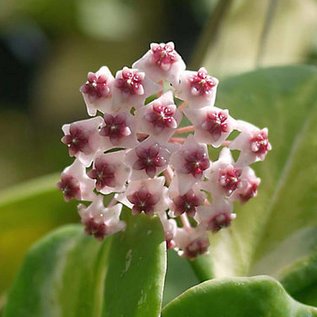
column 182, row 106
column 226, row 143
column 160, row 93
column 177, row 140
column 112, row 202
column 211, row 32
column 168, row 173
column 185, row 221
column 189, row 128
column 203, row 267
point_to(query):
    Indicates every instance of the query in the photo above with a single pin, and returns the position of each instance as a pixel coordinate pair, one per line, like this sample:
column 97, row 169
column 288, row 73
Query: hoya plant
column 159, row 167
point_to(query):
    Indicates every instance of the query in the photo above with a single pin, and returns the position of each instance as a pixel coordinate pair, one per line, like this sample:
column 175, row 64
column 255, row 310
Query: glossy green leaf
column 259, row 296
column 279, row 227
column 62, row 276
column 136, row 272
column 27, row 212
column 70, row 274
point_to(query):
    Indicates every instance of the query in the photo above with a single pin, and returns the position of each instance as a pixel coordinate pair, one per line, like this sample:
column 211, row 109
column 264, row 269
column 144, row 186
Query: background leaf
column 62, row 276
column 66, row 274
column 27, row 212
column 279, row 227
column 256, row 296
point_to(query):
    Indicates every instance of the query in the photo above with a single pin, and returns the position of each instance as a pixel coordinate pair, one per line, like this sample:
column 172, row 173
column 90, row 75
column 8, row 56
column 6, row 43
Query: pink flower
column 212, row 125
column 75, row 184
column 249, row 186
column 146, row 195
column 216, row 216
column 191, row 242
column 161, row 62
column 100, row 221
column 148, row 159
column 160, row 117
column 190, row 163
column 118, row 130
column 252, row 143
column 109, row 172
column 197, row 88
column 186, row 203
column 82, row 139
column 131, row 88
column 224, row 176
column 97, row 91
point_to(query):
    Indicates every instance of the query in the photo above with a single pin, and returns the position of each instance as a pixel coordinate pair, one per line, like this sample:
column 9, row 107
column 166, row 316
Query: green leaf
column 136, row 272
column 70, row 274
column 27, row 212
column 62, row 276
column 279, row 226
column 259, row 296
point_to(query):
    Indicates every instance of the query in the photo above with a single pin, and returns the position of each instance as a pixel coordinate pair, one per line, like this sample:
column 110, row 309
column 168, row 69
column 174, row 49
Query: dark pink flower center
column 219, row 220
column 249, row 193
column 76, row 140
column 163, row 54
column 196, row 162
column 149, row 159
column 161, row 116
column 96, row 86
column 116, row 127
column 70, row 187
column 229, row 179
column 143, row 200
column 202, row 83
column 216, row 124
column 187, row 203
column 130, row 82
column 196, row 247
column 104, row 174
column 259, row 144
column 96, row 229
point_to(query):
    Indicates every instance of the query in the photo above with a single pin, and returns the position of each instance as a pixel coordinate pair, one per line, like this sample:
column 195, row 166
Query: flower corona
column 138, row 150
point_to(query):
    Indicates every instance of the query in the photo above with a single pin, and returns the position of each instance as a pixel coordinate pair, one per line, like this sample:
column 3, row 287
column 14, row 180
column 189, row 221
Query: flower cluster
column 142, row 154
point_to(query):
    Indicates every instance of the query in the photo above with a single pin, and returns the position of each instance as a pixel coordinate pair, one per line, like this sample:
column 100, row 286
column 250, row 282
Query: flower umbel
column 136, row 152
